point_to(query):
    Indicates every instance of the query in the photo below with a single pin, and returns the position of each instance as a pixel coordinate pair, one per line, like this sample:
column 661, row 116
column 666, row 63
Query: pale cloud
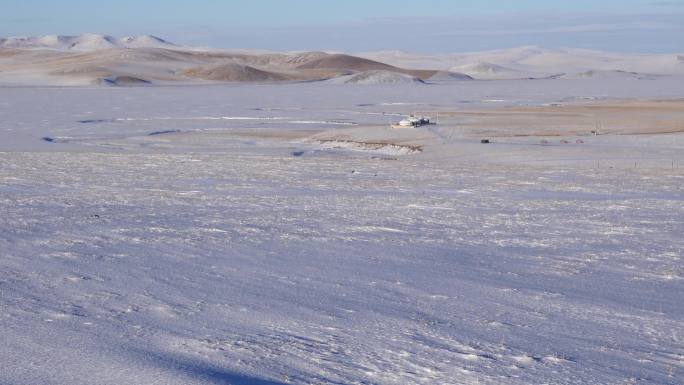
column 598, row 27
column 651, row 31
column 667, row 3
column 25, row 20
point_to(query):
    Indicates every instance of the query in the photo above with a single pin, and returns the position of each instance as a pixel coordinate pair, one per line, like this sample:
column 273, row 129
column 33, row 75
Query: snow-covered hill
column 484, row 70
column 535, row 61
column 377, row 77
column 85, row 42
column 91, row 58
column 449, row 76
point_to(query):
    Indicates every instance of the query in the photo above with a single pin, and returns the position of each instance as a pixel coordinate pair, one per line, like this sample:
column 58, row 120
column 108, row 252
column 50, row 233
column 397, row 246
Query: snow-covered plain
column 197, row 235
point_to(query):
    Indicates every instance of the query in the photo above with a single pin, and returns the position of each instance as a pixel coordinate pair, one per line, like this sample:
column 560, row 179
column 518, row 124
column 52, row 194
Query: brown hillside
column 345, row 62
column 234, row 72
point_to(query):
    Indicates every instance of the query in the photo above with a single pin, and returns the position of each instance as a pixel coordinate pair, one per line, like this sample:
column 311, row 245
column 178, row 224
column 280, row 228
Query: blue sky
column 357, row 25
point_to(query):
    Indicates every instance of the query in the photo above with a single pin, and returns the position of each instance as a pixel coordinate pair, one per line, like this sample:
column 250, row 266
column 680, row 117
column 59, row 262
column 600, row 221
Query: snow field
column 241, row 269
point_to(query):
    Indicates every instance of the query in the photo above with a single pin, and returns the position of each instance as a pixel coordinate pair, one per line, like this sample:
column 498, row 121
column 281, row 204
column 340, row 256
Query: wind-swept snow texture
column 133, row 251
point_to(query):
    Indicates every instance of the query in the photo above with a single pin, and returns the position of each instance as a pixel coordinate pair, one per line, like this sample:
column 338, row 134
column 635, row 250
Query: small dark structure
column 485, row 141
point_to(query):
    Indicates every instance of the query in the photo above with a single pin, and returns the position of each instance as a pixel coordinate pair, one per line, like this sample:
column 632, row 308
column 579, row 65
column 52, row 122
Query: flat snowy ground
column 226, row 254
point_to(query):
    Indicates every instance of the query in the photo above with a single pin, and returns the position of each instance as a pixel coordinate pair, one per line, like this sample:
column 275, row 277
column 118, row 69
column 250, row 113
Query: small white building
column 413, row 121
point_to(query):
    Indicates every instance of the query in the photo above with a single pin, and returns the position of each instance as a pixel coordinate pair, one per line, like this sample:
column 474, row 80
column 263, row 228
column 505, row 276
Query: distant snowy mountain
column 145, row 41
column 533, row 61
column 85, row 42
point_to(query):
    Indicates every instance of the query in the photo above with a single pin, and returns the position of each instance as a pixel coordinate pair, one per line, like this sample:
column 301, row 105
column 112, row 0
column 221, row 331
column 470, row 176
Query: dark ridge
column 124, row 81
column 163, row 132
column 91, row 121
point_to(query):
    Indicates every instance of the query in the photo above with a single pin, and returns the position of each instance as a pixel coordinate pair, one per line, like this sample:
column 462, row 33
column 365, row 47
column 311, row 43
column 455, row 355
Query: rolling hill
column 93, row 59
